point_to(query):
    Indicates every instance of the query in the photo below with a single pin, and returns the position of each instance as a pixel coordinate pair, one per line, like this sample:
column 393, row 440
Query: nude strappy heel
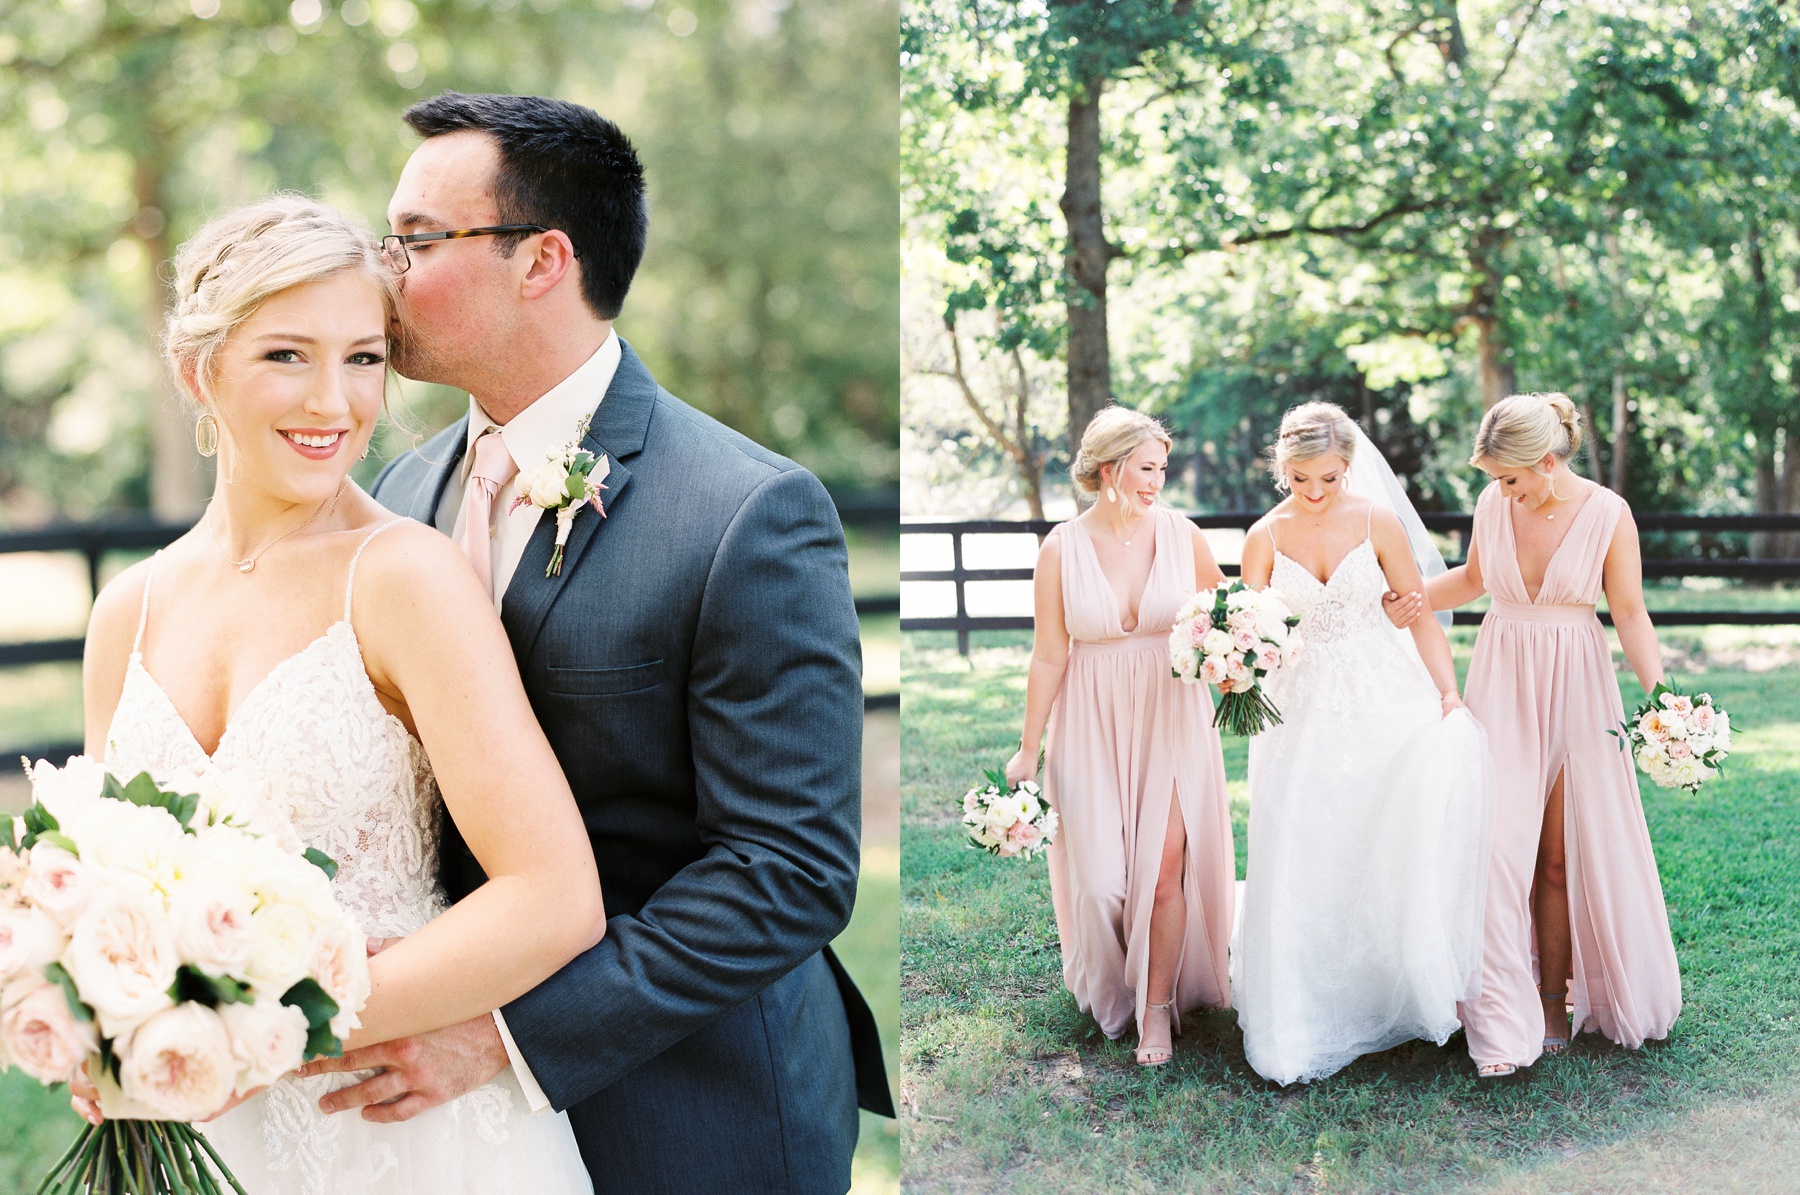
column 1555, row 1045
column 1156, row 1055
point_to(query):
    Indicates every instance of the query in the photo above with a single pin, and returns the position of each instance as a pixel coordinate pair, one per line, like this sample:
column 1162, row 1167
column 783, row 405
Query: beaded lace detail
column 354, row 782
column 1334, row 616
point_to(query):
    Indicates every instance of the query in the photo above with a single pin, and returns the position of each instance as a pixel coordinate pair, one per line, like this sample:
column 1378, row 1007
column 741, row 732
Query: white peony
column 67, row 790
column 29, row 938
column 122, row 957
column 211, row 921
column 143, row 840
column 40, row 1034
column 179, row 1063
column 268, row 1039
column 56, row 882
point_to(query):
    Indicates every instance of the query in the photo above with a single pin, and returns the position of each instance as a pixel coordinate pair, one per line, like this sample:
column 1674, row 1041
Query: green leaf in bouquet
column 321, row 1042
column 997, row 778
column 311, row 999
column 182, row 807
column 55, row 974
column 322, row 861
column 109, row 1059
column 58, row 839
column 193, row 984
column 38, row 819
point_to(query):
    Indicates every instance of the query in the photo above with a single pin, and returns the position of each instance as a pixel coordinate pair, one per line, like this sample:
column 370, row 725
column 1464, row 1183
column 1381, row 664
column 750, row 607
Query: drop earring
column 206, row 435
column 1110, row 496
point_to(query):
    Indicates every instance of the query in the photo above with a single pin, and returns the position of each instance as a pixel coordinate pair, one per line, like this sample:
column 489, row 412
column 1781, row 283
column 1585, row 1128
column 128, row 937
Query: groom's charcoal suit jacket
column 696, row 667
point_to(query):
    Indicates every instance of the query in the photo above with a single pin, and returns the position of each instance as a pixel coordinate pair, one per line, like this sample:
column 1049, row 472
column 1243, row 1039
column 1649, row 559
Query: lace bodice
column 316, row 740
column 1348, row 603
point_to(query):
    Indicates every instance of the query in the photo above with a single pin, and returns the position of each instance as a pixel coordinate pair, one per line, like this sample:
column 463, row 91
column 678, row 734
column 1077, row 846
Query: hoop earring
column 206, row 435
column 1553, row 494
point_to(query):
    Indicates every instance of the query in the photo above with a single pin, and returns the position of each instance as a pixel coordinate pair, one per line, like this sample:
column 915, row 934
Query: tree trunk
column 1089, row 362
column 1787, row 543
column 180, row 478
column 1497, row 378
column 1621, row 446
column 1591, row 442
column 1030, row 461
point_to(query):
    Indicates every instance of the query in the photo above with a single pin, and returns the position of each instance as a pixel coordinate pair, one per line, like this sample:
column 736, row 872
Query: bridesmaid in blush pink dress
column 1142, row 872
column 1573, row 890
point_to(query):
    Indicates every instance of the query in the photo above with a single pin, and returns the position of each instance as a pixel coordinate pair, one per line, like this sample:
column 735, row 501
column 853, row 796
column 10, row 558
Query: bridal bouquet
column 169, row 936
column 1680, row 741
column 1014, row 823
column 1232, row 637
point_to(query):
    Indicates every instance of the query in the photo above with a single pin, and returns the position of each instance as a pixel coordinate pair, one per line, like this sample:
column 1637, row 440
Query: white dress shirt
column 544, row 427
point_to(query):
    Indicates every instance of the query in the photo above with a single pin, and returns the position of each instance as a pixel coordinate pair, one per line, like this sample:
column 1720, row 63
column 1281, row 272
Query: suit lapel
column 617, row 431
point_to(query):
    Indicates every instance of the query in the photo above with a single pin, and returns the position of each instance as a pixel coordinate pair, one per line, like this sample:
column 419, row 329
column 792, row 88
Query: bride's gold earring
column 206, row 435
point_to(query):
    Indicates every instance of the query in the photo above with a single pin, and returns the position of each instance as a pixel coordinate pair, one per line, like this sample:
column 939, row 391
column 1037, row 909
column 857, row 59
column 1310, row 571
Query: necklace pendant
column 246, row 566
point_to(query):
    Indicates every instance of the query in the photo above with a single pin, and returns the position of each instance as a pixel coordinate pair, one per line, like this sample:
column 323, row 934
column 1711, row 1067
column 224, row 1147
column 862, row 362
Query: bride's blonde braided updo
column 237, row 262
column 1519, row 432
column 1111, row 436
column 1311, row 430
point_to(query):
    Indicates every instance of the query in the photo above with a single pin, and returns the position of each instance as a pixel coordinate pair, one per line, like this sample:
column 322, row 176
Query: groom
column 695, row 664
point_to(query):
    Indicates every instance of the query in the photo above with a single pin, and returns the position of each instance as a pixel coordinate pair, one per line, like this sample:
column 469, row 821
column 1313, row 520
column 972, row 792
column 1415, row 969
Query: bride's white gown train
column 1369, row 822
column 357, row 785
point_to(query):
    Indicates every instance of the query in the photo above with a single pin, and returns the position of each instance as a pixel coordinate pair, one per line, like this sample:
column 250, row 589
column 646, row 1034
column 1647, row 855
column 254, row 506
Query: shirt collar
column 549, row 424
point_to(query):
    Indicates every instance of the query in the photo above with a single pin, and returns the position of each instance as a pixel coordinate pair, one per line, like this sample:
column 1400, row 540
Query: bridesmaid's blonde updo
column 1519, row 432
column 1311, row 430
column 238, row 262
column 1111, row 436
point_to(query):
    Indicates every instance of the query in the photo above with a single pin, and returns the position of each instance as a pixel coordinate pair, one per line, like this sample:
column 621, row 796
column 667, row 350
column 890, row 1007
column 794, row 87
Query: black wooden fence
column 1655, row 567
column 873, row 512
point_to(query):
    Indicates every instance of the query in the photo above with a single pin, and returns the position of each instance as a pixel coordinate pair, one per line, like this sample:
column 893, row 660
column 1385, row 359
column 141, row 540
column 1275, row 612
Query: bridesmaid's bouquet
column 1679, row 741
column 169, row 936
column 1012, row 822
column 1233, row 636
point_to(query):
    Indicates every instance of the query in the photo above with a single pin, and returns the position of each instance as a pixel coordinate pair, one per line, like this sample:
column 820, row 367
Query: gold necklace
column 249, row 562
column 1110, row 534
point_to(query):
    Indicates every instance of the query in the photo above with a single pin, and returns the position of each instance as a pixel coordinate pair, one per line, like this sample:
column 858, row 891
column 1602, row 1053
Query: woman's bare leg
column 1550, row 912
column 1168, row 927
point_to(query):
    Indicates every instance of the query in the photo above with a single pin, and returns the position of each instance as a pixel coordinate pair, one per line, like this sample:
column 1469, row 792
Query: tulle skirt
column 1370, row 817
column 485, row 1143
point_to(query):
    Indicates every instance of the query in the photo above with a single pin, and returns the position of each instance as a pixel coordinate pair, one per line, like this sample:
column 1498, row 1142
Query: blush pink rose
column 1268, row 657
column 56, row 882
column 29, row 938
column 1025, row 834
column 1245, row 640
column 41, row 1036
column 1212, row 671
column 180, row 1063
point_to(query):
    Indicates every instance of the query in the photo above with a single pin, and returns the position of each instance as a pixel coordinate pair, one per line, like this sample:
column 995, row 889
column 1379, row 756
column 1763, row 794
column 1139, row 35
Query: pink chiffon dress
column 1542, row 684
column 1125, row 739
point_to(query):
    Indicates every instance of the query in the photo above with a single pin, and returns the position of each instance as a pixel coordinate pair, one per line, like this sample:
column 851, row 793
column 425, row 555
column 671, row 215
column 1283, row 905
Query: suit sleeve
column 774, row 710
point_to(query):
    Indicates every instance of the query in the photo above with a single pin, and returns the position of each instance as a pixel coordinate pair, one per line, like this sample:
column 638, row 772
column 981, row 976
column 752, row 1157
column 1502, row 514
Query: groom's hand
column 416, row 1072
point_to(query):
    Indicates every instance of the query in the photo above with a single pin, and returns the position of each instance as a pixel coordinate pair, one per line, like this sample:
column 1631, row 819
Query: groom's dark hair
column 562, row 166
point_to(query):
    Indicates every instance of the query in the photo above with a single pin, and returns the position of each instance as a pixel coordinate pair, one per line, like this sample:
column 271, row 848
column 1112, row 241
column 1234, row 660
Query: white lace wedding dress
column 357, row 785
column 1369, row 822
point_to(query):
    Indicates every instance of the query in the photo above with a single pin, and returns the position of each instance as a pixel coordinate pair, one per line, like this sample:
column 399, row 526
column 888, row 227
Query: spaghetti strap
column 137, row 643
column 1369, row 522
column 350, row 580
column 1270, row 528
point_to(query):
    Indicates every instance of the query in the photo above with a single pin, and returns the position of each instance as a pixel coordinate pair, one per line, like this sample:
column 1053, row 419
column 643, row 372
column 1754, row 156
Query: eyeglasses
column 393, row 246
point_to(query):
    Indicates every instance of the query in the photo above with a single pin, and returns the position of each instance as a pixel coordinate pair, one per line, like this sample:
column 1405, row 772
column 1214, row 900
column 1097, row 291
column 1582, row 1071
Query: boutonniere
column 566, row 481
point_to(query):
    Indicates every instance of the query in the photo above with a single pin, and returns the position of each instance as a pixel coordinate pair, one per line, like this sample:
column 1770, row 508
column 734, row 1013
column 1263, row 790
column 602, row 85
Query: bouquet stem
column 139, row 1157
column 1245, row 714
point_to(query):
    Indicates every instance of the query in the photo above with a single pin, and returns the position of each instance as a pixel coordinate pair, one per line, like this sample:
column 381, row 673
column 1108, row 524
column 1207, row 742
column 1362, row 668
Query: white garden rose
column 284, row 938
column 29, row 938
column 211, row 921
column 56, row 882
column 544, row 484
column 179, row 1063
column 143, row 840
column 122, row 957
column 1215, row 643
column 40, row 1034
column 268, row 1039
column 341, row 965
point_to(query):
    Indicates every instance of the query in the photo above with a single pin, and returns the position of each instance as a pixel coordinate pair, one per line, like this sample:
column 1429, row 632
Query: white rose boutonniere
column 565, row 482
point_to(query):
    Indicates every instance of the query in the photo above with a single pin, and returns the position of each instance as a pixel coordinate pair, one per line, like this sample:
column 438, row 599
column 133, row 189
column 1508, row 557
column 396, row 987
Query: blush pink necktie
column 494, row 467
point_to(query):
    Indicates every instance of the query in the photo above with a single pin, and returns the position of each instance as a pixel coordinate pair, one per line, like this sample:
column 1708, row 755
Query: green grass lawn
column 1008, row 1087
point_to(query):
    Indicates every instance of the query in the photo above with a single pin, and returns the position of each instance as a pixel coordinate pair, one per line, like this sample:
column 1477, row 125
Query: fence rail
column 877, row 510
column 1460, row 524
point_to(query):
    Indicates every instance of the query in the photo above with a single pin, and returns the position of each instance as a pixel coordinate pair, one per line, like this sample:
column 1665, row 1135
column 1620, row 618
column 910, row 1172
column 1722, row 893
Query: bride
column 1371, row 804
column 351, row 664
